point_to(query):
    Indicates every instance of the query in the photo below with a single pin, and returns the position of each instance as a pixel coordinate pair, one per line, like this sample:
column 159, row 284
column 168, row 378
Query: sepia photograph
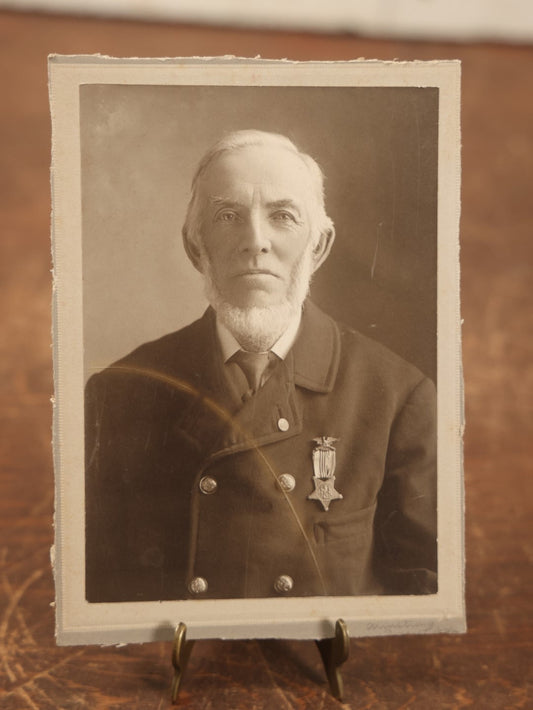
column 258, row 408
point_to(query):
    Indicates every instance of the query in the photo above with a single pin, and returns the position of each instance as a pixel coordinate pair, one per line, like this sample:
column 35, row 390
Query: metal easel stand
column 181, row 650
column 334, row 652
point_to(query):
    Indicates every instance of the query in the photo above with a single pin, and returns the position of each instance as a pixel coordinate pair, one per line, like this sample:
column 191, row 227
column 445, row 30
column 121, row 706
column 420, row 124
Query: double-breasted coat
column 187, row 492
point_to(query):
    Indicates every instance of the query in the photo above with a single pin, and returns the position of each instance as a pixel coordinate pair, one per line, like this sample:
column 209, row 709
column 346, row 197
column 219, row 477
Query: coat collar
column 316, row 351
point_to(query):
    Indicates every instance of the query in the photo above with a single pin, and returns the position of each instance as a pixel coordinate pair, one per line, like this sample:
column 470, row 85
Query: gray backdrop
column 378, row 150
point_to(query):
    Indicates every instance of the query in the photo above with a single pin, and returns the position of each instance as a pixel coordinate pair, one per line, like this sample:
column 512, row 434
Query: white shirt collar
column 229, row 345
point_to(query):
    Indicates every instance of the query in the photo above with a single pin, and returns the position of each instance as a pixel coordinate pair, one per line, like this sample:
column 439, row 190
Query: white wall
column 460, row 20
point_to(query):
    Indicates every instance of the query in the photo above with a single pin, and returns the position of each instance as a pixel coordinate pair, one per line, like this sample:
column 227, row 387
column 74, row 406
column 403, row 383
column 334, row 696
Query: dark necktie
column 254, row 366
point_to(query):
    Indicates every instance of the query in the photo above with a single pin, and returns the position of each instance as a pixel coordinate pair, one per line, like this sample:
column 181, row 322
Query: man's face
column 256, row 223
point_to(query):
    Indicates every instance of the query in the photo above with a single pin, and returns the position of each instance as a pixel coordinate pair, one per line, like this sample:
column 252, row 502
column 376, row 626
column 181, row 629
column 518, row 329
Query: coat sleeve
column 406, row 519
column 104, row 522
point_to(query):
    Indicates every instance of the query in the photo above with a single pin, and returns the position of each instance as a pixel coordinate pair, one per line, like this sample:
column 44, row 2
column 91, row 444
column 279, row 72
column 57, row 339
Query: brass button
column 198, row 585
column 283, row 584
column 287, row 482
column 208, row 485
column 283, row 424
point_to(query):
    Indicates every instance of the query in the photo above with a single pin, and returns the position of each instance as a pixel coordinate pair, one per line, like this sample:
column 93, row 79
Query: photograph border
column 79, row 622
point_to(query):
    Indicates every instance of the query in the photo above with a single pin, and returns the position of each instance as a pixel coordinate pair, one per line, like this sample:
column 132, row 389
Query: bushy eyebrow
column 285, row 203
column 223, row 201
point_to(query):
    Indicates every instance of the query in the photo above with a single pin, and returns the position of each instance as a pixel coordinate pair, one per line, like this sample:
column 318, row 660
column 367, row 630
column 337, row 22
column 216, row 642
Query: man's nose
column 256, row 238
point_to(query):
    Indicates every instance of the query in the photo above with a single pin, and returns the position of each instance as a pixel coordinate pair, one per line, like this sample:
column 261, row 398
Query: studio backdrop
column 377, row 148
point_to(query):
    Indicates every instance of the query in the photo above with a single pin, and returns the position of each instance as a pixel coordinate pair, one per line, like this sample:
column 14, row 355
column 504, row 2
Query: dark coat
column 162, row 419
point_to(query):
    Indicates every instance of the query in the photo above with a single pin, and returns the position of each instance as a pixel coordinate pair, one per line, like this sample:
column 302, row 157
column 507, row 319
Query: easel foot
column 334, row 652
column 181, row 650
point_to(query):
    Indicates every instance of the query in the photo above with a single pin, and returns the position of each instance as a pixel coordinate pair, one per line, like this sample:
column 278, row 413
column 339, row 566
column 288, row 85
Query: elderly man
column 265, row 449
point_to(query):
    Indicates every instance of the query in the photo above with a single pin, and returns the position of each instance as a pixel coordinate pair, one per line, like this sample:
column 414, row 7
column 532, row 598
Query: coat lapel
column 206, row 411
column 316, row 351
column 275, row 412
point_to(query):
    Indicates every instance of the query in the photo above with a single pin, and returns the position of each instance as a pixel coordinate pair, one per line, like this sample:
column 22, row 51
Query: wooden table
column 486, row 668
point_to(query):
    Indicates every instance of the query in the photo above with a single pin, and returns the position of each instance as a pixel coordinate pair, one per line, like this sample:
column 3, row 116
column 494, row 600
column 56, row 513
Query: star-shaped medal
column 324, row 460
column 324, row 491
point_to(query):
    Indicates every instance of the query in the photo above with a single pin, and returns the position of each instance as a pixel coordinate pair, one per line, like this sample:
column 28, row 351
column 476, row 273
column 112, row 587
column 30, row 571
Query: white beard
column 257, row 328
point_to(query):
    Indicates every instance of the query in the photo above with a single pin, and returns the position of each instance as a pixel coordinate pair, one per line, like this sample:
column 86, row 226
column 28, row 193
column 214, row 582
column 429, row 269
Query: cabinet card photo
column 258, row 408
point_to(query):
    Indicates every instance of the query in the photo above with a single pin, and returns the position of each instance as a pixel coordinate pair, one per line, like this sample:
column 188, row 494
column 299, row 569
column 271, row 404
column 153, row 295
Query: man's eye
column 283, row 216
column 227, row 216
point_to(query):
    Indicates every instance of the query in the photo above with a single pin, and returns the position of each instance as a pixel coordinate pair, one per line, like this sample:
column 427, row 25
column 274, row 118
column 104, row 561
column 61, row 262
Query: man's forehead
column 268, row 166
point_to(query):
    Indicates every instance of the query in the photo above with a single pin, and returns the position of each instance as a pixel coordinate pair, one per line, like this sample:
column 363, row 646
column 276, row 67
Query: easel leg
column 334, row 652
column 181, row 650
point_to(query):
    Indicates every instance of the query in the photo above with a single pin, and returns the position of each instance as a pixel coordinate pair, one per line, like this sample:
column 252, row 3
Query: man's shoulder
column 363, row 346
column 365, row 356
column 169, row 354
column 173, row 346
column 329, row 351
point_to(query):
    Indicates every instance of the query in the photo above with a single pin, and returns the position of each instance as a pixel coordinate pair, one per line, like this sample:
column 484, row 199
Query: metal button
column 287, row 482
column 283, row 583
column 198, row 585
column 208, row 485
column 283, row 424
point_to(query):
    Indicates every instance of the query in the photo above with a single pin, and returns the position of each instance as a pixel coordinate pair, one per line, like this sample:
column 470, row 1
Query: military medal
column 324, row 459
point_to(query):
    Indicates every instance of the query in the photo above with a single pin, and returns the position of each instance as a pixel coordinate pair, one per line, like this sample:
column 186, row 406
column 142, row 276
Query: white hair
column 242, row 139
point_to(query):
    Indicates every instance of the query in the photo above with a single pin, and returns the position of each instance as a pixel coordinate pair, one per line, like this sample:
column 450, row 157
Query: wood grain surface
column 489, row 667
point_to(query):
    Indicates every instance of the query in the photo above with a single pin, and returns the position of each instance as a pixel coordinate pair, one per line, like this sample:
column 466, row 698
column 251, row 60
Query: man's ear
column 323, row 246
column 192, row 250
